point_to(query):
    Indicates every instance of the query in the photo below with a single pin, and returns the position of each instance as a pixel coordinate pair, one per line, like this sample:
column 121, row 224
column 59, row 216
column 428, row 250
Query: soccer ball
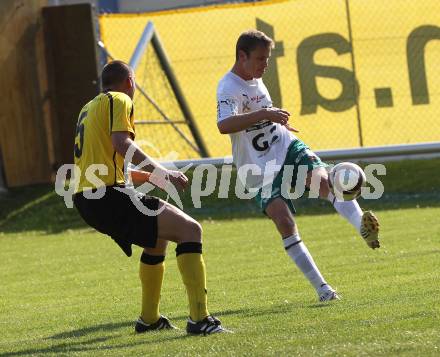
column 346, row 181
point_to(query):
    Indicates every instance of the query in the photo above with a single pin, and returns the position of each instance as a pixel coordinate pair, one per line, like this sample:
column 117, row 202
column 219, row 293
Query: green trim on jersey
column 298, row 154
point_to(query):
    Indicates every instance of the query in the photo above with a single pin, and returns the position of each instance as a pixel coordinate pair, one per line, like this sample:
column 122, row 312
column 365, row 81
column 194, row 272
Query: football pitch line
column 75, row 293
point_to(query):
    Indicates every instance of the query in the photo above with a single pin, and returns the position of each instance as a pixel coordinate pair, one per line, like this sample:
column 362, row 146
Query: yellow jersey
column 106, row 113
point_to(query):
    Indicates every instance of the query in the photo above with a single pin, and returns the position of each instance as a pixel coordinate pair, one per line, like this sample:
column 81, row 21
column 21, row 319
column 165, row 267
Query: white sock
column 350, row 210
column 299, row 253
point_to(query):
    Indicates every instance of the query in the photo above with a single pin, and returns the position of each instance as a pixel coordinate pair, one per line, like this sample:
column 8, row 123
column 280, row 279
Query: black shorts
column 117, row 216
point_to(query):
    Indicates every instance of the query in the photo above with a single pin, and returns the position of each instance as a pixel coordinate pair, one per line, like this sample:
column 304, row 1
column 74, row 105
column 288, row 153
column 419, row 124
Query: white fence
column 376, row 154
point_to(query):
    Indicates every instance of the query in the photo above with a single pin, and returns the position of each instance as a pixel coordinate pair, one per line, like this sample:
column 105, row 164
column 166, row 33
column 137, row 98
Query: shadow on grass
column 90, row 330
column 243, row 312
column 36, row 208
column 322, row 305
column 63, row 347
column 78, row 340
column 95, row 344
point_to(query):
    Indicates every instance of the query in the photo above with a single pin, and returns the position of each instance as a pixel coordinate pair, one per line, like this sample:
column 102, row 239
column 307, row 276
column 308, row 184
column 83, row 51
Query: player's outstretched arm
column 239, row 122
column 122, row 142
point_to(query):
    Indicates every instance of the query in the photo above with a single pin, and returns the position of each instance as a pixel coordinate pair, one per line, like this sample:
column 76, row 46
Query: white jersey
column 264, row 144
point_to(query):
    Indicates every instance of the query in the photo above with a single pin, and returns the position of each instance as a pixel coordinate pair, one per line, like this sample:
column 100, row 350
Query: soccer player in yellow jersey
column 105, row 132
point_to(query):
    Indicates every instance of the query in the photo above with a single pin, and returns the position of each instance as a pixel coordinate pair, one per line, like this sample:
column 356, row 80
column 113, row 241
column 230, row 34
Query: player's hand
column 280, row 116
column 177, row 178
column 277, row 115
column 164, row 178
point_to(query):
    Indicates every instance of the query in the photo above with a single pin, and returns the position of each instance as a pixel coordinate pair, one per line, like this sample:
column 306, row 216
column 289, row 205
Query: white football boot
column 327, row 293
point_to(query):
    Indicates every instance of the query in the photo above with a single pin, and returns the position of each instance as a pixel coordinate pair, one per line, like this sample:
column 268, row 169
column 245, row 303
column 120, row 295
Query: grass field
column 66, row 290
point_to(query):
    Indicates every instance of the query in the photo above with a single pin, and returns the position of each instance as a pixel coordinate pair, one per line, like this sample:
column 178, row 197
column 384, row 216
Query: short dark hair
column 114, row 73
column 250, row 40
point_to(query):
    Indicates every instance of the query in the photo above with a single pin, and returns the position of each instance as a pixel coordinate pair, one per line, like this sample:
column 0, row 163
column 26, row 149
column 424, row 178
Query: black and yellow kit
column 114, row 214
column 106, row 113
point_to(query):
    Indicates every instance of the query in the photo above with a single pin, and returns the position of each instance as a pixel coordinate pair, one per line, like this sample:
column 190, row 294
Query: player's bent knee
column 159, row 249
column 191, row 232
column 317, row 182
column 197, row 230
column 324, row 188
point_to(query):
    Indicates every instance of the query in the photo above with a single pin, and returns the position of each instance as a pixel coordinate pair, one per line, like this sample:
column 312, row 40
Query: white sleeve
column 227, row 106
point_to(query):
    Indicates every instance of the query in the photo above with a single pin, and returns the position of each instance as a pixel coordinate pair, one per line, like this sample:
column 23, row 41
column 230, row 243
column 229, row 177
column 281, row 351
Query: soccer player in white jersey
column 261, row 136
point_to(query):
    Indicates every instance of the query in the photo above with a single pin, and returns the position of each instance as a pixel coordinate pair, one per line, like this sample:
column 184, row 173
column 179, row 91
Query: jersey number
column 80, row 132
column 263, row 145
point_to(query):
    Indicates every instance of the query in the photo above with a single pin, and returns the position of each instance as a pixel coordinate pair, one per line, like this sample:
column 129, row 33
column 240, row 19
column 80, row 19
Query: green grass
column 75, row 292
column 67, row 290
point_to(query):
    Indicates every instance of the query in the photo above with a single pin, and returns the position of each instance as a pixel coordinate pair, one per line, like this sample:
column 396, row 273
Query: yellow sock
column 192, row 269
column 151, row 276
